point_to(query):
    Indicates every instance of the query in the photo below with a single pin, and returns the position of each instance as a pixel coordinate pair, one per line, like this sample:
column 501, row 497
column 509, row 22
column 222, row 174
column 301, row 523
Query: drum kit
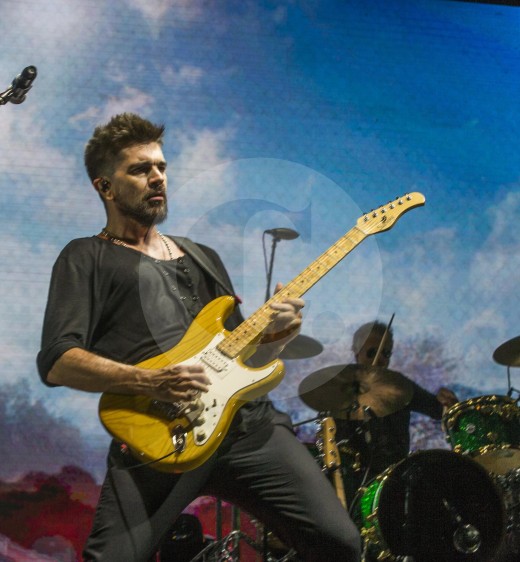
column 433, row 505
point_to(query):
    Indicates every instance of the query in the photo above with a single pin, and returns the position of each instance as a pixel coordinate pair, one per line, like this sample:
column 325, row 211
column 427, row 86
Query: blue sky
column 281, row 113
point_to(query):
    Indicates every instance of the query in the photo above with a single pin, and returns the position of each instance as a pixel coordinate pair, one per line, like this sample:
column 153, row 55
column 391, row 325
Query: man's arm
column 83, row 370
column 425, row 403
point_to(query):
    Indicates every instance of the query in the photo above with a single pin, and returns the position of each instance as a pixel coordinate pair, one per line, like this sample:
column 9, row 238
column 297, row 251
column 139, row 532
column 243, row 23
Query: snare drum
column 498, row 460
column 434, row 505
column 481, row 427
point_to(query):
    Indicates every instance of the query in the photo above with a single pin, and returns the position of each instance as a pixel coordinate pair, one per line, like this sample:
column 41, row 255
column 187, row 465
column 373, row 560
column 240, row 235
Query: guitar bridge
column 168, row 410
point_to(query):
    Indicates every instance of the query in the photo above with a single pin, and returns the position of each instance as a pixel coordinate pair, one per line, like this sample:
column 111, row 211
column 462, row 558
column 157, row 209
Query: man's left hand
column 287, row 319
column 446, row 397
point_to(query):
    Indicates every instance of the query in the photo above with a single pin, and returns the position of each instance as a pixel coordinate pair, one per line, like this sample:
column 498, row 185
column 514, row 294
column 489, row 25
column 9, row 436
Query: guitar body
column 182, row 440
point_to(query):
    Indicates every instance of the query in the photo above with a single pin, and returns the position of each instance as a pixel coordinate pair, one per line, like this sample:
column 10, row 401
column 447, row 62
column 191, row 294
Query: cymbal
column 508, row 353
column 301, row 347
column 337, row 388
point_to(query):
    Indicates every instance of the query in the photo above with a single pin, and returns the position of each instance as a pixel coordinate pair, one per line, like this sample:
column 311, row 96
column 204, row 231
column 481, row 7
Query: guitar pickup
column 214, row 359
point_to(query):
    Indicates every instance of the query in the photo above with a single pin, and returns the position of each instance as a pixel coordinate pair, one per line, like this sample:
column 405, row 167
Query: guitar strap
column 203, row 260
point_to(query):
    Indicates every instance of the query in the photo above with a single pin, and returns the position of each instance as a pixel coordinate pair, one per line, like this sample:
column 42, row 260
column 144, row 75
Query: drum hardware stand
column 368, row 440
column 227, row 549
column 218, row 519
column 511, row 388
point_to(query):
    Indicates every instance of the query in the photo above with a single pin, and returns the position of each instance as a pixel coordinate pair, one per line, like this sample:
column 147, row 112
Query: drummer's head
column 365, row 344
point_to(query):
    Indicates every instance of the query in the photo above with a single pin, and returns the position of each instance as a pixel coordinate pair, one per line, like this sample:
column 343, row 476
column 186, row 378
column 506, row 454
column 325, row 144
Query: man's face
column 368, row 351
column 139, row 184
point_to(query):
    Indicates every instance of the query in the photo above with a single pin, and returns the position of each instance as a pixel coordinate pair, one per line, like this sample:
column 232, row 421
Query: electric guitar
column 179, row 436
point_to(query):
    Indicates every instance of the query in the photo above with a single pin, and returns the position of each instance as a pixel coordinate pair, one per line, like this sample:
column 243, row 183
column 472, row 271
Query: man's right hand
column 179, row 382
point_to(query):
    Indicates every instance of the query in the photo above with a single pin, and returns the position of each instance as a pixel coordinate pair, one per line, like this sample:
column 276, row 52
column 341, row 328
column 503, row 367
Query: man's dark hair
column 363, row 332
column 122, row 131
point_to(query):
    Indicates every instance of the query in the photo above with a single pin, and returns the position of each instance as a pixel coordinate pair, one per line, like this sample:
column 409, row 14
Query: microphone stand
column 276, row 239
column 6, row 95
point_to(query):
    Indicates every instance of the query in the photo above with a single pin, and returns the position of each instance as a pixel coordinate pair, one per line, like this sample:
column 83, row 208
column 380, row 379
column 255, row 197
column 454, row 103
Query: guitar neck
column 251, row 328
column 340, row 488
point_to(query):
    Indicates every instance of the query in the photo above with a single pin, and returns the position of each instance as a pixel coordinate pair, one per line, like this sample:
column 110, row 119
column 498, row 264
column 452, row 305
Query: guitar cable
column 125, row 451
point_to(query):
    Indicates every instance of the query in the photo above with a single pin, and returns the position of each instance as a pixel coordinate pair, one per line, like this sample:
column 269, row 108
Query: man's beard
column 144, row 213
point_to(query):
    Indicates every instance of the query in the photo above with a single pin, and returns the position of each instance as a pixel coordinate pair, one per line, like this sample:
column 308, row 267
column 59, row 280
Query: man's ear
column 102, row 186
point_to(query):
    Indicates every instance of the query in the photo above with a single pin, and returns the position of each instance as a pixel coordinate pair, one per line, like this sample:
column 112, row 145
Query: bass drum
column 434, row 505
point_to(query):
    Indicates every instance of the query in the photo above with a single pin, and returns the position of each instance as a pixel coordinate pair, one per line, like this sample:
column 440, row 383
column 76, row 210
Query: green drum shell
column 482, row 422
column 365, row 514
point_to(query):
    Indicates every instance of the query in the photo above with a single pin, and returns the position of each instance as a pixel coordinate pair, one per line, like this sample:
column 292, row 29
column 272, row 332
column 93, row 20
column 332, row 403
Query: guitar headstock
column 384, row 217
column 328, row 448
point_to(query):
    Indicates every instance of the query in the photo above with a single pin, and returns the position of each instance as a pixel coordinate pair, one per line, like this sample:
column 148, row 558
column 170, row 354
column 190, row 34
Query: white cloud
column 42, row 179
column 199, row 173
column 185, row 75
column 494, row 268
column 22, row 314
column 493, row 277
column 155, row 11
column 418, row 274
column 48, row 26
column 470, row 303
column 129, row 100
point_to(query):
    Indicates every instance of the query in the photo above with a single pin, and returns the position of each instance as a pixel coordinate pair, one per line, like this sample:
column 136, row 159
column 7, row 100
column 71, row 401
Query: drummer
column 383, row 441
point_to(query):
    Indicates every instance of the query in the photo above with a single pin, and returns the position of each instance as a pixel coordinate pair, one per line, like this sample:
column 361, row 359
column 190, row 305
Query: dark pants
column 267, row 473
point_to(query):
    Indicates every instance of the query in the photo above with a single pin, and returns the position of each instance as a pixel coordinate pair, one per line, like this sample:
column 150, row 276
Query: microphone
column 282, row 233
column 22, row 84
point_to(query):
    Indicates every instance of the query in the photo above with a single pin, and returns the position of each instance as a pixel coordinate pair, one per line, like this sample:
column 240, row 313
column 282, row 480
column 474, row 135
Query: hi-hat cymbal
column 301, row 347
column 337, row 388
column 508, row 353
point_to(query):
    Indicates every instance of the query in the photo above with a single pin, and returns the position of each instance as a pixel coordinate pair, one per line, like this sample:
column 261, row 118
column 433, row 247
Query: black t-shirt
column 121, row 304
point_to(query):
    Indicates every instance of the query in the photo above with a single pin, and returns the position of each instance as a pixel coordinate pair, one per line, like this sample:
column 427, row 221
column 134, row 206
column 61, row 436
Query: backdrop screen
column 279, row 114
